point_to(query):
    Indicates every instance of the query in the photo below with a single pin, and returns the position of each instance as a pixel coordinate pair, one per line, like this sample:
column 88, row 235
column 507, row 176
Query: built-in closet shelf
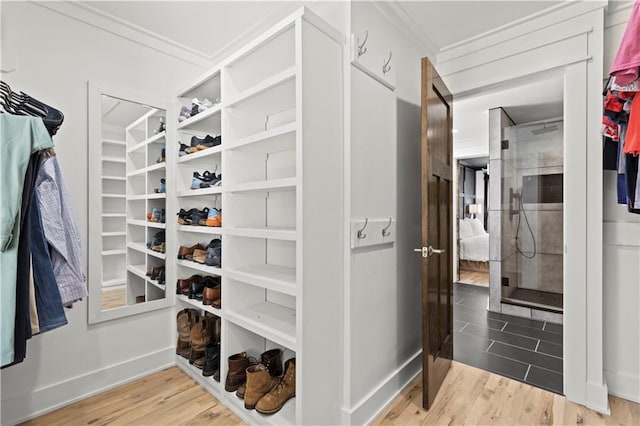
column 153, row 139
column 113, row 196
column 268, row 83
column 267, row 141
column 142, row 248
column 197, row 304
column 114, row 234
column 204, row 115
column 157, row 196
column 203, row 191
column 283, row 184
column 121, row 178
column 200, row 154
column 286, row 415
column 195, row 373
column 270, row 277
column 275, row 322
column 113, row 215
column 155, row 284
column 114, row 142
column 215, row 230
column 287, row 234
column 146, row 223
column 113, row 252
column 199, row 267
column 117, row 282
column 144, row 170
column 114, row 160
column 138, row 270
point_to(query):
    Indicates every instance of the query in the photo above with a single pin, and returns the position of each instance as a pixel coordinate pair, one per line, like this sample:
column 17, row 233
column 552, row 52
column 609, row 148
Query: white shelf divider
column 214, row 110
column 262, row 141
column 282, row 184
column 270, row 277
column 275, row 322
column 197, row 304
column 200, row 154
column 200, row 267
column 199, row 192
column 287, row 234
column 113, row 252
column 273, row 81
column 213, row 230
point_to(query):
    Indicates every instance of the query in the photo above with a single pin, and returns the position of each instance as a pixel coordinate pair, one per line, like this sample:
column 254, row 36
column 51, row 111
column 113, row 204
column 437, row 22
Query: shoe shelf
column 113, row 252
column 138, row 270
column 272, row 233
column 214, row 230
column 114, row 160
column 113, row 196
column 281, row 138
column 113, row 142
column 156, row 284
column 116, row 282
column 270, row 277
column 286, row 415
column 212, row 270
column 282, row 184
column 200, row 154
column 213, row 387
column 112, row 215
column 156, row 196
column 209, row 118
column 269, row 83
column 146, row 223
column 116, row 178
column 114, row 234
column 143, row 249
column 270, row 320
column 202, row 191
column 197, row 304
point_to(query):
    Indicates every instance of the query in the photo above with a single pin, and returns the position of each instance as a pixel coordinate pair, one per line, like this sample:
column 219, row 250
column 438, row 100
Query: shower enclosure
column 526, row 218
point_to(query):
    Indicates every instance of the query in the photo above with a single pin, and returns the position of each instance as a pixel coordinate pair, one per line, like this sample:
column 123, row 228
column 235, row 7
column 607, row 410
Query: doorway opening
column 513, row 326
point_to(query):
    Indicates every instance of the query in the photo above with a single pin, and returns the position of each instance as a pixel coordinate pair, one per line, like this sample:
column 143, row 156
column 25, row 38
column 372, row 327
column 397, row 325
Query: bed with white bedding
column 474, row 240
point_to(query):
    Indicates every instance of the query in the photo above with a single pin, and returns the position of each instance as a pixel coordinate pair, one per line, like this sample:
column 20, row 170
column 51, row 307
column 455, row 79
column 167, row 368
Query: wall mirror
column 127, row 204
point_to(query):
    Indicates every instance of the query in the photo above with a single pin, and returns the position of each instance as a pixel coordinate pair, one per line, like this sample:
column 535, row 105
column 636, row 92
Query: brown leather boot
column 210, row 294
column 236, row 374
column 208, row 335
column 285, row 389
column 183, row 320
column 272, row 359
column 259, row 383
column 198, row 341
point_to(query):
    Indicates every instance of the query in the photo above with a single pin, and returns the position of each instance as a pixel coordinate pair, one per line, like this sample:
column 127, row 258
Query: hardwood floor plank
column 468, row 396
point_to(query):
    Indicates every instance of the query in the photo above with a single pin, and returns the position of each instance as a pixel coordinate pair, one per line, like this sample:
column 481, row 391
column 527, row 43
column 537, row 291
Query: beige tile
column 543, row 272
column 495, row 286
column 518, row 311
column 494, row 235
column 495, row 183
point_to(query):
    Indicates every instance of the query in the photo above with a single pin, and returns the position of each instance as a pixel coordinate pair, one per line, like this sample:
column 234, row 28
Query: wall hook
column 361, row 48
column 361, row 235
column 385, row 230
column 385, row 64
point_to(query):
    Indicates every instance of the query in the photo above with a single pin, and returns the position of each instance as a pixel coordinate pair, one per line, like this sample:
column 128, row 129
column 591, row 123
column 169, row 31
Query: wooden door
column 437, row 206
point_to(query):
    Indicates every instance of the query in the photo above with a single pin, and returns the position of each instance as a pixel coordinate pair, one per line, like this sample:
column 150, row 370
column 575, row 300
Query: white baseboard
column 623, row 385
column 376, row 401
column 597, row 398
column 20, row 408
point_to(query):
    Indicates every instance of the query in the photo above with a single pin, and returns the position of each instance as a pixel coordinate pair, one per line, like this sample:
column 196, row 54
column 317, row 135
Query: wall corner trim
column 17, row 409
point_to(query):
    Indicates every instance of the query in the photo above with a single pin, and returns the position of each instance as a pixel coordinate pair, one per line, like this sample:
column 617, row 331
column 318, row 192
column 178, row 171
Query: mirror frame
column 94, row 160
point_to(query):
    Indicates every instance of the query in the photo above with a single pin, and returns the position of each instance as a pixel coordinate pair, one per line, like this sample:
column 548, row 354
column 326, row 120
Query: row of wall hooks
column 362, row 49
column 368, row 232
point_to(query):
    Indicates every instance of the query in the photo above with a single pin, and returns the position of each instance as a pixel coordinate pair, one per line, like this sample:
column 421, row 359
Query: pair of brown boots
column 194, row 333
column 260, row 384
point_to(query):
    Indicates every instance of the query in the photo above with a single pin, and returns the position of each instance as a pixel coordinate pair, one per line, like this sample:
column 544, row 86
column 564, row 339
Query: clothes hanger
column 23, row 104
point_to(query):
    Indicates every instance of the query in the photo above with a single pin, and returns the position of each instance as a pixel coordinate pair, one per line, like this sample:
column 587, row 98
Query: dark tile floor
column 525, row 350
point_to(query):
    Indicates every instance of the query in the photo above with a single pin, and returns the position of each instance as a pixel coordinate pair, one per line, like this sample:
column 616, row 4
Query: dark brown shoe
column 285, row 389
column 182, row 286
column 184, row 321
column 236, row 374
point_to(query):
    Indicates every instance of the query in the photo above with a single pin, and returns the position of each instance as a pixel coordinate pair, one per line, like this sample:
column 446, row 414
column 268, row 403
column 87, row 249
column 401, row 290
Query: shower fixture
column 520, row 211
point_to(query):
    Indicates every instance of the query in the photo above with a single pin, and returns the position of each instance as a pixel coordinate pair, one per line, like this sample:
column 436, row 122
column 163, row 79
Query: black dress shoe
column 211, row 359
column 195, row 290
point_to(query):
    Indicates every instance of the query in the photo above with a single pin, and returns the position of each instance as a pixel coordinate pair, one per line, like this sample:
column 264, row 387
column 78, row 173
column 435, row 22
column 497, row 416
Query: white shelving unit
column 145, row 167
column 281, row 120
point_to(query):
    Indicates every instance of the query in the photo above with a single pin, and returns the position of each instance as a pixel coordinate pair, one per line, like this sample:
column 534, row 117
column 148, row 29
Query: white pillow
column 477, row 228
column 464, row 228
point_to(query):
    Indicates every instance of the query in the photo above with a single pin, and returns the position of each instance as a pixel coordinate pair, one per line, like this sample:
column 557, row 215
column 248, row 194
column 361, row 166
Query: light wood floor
column 113, row 298
column 469, row 396
column 474, row 278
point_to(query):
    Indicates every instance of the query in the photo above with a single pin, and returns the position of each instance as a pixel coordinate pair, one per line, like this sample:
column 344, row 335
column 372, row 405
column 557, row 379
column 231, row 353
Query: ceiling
column 208, row 26
column 120, row 113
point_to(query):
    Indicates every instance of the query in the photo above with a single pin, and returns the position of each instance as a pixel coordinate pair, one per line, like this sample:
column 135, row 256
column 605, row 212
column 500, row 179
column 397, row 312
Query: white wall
column 56, row 56
column 621, row 261
column 384, row 308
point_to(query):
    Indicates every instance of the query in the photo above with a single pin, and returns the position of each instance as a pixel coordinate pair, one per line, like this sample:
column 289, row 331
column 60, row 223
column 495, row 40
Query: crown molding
column 395, row 13
column 92, row 16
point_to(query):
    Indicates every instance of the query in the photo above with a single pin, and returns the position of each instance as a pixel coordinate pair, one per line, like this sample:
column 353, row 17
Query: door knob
column 429, row 251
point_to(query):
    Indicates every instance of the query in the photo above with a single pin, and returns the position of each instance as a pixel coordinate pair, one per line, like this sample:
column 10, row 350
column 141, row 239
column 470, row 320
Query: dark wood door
column 437, row 283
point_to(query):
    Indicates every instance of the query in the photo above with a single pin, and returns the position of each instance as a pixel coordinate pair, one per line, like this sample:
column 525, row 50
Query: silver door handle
column 428, row 251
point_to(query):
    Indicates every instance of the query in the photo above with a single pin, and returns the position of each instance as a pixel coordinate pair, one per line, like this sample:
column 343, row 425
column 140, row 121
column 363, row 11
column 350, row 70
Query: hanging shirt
column 20, row 136
column 626, row 64
column 61, row 231
column 632, row 142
